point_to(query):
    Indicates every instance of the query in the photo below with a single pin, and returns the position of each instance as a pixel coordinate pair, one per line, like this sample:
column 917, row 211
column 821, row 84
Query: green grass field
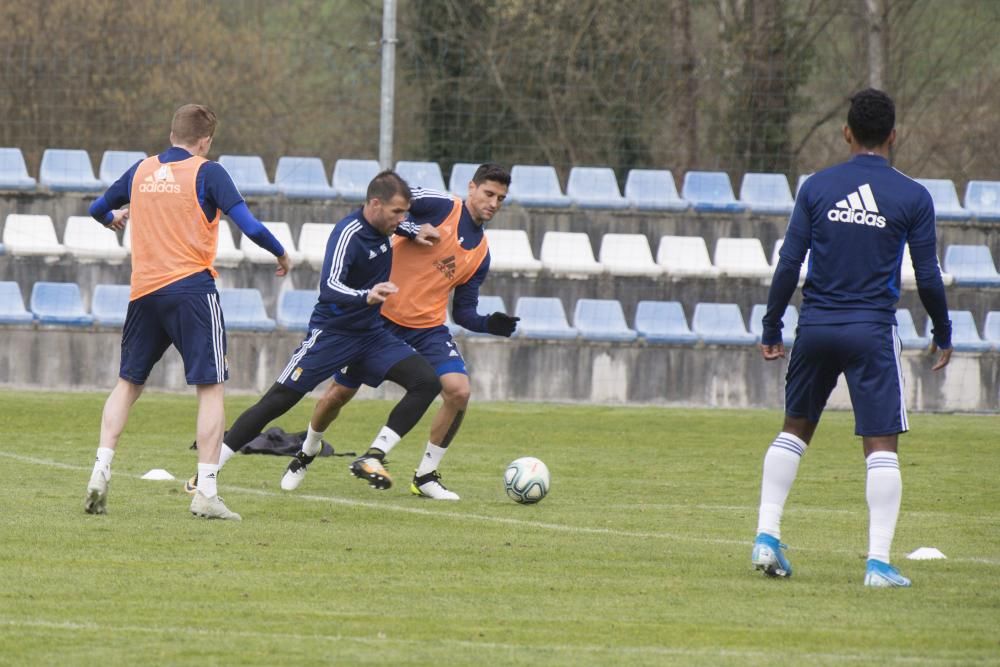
column 639, row 555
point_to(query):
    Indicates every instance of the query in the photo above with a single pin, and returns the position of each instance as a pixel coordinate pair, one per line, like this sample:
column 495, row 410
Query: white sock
column 385, row 440
column 313, row 442
column 225, row 453
column 102, row 465
column 432, row 458
column 781, row 465
column 884, row 491
column 207, row 473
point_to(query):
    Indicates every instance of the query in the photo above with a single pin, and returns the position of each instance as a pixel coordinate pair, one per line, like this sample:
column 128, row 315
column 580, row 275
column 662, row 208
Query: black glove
column 501, row 324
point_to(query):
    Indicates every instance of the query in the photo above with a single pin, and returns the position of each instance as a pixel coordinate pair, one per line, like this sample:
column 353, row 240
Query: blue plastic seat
column 767, row 193
column 68, row 169
column 425, row 175
column 721, row 324
column 109, row 304
column 907, row 331
column 351, row 178
column 663, row 322
column 243, row 309
column 13, row 171
column 461, row 176
column 543, row 317
column 594, row 187
column 59, row 304
column 487, row 305
column 536, row 186
column 710, row 191
column 982, row 199
column 602, row 319
column 991, row 329
column 295, row 307
column 116, row 163
column 971, row 265
column 964, row 334
column 249, row 174
column 790, row 321
column 303, row 177
column 12, row 305
column 945, row 196
column 653, row 190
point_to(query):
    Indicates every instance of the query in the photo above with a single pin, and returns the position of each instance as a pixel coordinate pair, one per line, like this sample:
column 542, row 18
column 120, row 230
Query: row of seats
column 586, row 187
column 61, row 304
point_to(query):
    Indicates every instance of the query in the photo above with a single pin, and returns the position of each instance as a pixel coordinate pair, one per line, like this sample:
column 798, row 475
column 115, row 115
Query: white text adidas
column 859, row 207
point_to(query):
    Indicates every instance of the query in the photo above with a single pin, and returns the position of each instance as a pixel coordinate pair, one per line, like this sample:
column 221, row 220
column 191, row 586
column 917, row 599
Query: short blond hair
column 193, row 122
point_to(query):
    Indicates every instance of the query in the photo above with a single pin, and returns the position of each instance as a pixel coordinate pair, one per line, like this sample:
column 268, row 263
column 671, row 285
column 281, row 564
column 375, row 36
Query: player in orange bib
column 426, row 275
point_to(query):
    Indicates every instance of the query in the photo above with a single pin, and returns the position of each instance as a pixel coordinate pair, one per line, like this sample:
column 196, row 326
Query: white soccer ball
column 526, row 480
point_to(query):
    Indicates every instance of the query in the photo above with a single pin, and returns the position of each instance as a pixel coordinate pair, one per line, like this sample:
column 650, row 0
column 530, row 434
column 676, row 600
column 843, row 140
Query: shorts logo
column 859, row 207
column 296, row 374
column 446, row 266
column 161, row 180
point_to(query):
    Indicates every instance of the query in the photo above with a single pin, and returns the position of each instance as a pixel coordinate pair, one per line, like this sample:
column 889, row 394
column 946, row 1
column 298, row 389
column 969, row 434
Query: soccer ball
column 526, row 480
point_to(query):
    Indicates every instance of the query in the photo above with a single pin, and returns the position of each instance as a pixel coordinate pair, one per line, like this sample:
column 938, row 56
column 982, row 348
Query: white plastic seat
column 774, row 261
column 685, row 256
column 510, row 250
column 257, row 255
column 628, row 255
column 31, row 235
column 87, row 239
column 312, row 242
column 569, row 253
column 909, row 277
column 741, row 258
column 227, row 254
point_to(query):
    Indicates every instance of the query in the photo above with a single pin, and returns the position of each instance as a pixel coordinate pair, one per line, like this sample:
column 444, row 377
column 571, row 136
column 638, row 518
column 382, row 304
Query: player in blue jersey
column 346, row 329
column 175, row 200
column 854, row 219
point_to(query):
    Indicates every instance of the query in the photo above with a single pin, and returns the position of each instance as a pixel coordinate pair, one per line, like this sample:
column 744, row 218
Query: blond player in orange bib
column 426, row 275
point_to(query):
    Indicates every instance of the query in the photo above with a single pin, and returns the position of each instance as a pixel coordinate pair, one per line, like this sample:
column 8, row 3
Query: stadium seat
column 991, row 329
column 946, row 204
column 109, row 304
column 569, row 253
column 536, row 186
column 964, row 334
column 685, row 256
column 663, row 322
column 971, row 265
column 249, row 174
column 312, row 242
column 909, row 277
column 116, row 163
column 461, row 176
column 12, row 305
column 602, row 320
column 711, row 192
column 982, row 199
column 31, row 235
column 303, row 178
column 789, row 322
column 243, row 310
column 425, row 175
column 351, row 178
column 798, row 185
column 628, row 255
column 774, row 261
column 486, row 306
column 295, row 307
column 767, row 194
column 226, row 254
column 510, row 250
column 653, row 190
column 907, row 331
column 742, row 258
column 13, row 171
column 88, row 240
column 594, row 187
column 721, row 324
column 257, row 255
column 59, row 304
column 543, row 317
column 68, row 169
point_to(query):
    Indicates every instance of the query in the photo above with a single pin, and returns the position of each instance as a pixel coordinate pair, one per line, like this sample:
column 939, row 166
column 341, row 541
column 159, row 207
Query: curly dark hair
column 871, row 117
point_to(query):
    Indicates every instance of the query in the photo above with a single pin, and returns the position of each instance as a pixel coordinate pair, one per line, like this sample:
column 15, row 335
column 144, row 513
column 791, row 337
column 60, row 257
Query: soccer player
column 346, row 329
column 854, row 219
column 427, row 274
column 175, row 199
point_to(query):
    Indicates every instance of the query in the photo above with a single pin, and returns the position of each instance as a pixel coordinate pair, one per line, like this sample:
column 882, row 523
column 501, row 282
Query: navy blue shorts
column 435, row 344
column 193, row 323
column 323, row 354
column 867, row 353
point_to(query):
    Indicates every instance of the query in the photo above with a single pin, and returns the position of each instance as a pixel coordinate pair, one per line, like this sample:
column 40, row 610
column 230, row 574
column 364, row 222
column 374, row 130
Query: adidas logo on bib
column 858, row 207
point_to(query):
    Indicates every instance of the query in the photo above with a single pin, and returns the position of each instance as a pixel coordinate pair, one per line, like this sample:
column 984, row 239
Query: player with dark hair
column 345, row 327
column 427, row 274
column 175, row 200
column 854, row 219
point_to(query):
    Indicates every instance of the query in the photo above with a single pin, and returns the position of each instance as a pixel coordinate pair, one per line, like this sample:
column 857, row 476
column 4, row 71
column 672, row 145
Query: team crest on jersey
column 446, row 266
